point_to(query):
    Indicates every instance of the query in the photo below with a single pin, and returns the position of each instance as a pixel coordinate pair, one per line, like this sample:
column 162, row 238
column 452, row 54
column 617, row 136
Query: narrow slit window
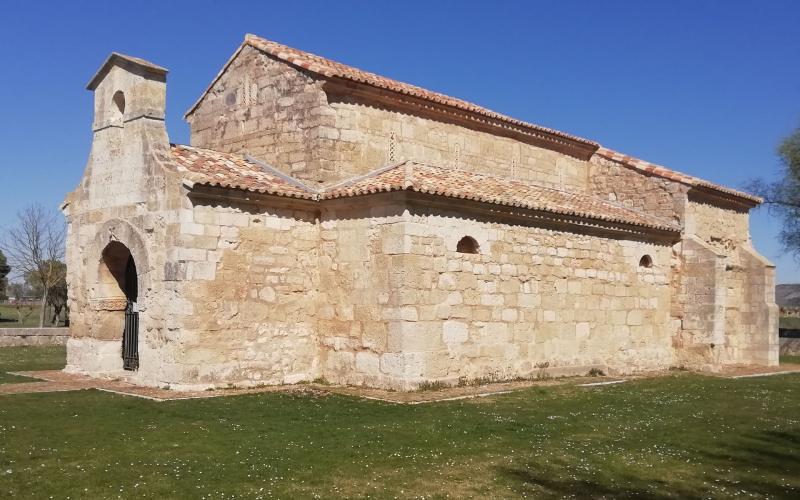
column 119, row 103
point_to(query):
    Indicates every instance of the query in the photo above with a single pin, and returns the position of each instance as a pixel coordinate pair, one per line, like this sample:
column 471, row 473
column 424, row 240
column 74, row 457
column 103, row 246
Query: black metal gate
column 130, row 335
column 130, row 338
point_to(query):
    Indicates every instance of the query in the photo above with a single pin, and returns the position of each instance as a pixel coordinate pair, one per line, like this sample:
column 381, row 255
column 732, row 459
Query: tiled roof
column 658, row 170
column 455, row 183
column 212, row 168
column 332, row 69
column 207, row 167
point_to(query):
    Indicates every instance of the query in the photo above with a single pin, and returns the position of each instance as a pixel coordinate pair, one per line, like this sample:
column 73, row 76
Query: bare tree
column 35, row 248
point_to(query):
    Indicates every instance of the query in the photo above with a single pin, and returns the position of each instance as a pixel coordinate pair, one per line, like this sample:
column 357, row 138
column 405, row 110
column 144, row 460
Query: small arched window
column 646, row 261
column 119, row 103
column 467, row 244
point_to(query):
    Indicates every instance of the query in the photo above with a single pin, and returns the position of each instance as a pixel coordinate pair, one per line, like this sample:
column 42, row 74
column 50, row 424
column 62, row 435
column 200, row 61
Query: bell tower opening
column 119, row 104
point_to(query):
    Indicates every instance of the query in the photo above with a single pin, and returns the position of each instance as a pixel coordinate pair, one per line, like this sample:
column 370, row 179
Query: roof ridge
column 372, row 173
column 277, row 173
column 330, row 68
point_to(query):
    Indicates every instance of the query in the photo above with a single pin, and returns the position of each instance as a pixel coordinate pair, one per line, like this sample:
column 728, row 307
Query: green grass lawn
column 680, row 436
column 29, row 358
column 790, row 359
column 9, row 318
column 789, row 322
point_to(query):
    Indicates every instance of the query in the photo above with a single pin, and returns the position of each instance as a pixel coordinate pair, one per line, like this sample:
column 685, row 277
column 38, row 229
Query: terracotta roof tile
column 212, row 168
column 672, row 175
column 455, row 183
column 330, row 69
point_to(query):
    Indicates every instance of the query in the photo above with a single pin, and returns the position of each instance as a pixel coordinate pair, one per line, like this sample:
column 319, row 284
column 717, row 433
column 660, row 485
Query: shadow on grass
column 543, row 483
column 764, row 464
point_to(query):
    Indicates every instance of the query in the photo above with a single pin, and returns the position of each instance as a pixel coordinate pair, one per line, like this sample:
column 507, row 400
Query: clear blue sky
column 708, row 88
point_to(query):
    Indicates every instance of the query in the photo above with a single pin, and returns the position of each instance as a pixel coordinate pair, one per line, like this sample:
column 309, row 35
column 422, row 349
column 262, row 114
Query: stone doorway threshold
column 56, row 381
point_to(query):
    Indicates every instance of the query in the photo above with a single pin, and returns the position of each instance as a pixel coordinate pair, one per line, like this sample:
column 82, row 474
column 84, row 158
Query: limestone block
column 234, row 219
column 509, row 315
column 455, row 332
column 405, row 365
column 407, row 336
column 267, row 294
column 634, row 318
column 202, row 271
column 490, row 299
column 368, row 362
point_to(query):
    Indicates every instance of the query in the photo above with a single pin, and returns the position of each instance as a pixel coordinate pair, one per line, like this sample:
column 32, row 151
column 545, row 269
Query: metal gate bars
column 130, row 338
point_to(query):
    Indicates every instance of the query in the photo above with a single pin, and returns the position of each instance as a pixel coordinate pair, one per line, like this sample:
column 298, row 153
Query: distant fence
column 21, row 302
column 11, row 337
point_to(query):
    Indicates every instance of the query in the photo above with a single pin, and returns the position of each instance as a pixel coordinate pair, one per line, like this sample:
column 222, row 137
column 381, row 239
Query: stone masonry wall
column 284, row 117
column 360, row 280
column 248, row 278
column 698, row 304
column 270, row 110
column 738, row 321
column 126, row 198
column 751, row 319
column 723, row 228
column 370, row 136
column 533, row 302
column 654, row 195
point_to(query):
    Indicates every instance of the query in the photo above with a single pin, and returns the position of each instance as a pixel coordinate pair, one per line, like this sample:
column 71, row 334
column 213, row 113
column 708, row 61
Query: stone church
column 331, row 223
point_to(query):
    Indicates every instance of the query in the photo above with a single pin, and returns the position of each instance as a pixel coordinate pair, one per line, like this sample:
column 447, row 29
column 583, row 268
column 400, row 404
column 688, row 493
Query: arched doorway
column 120, row 283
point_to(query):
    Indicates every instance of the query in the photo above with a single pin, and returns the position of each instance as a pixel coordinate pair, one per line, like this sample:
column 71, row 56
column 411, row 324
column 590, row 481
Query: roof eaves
column 264, row 191
column 116, row 56
column 674, row 175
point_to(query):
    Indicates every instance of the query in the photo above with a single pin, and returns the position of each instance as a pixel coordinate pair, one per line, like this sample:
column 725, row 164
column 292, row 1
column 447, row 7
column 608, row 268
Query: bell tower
column 128, row 130
column 128, row 89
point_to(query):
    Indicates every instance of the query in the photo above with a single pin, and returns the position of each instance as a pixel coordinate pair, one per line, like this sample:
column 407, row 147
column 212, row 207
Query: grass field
column 789, row 323
column 9, row 317
column 680, row 436
column 790, row 359
column 29, row 358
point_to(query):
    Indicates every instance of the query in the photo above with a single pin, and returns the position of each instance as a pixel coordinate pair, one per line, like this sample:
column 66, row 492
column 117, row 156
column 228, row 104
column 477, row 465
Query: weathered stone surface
column 240, row 289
